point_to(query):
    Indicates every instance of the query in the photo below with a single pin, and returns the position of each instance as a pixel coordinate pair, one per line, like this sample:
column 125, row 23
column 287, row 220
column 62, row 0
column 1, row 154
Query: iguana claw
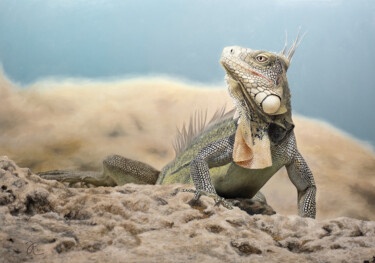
column 221, row 200
column 218, row 199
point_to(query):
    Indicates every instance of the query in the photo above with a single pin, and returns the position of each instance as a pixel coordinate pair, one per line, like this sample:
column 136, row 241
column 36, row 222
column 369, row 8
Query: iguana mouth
column 252, row 72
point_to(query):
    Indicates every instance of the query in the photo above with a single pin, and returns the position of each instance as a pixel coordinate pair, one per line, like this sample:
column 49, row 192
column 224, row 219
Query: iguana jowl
column 236, row 154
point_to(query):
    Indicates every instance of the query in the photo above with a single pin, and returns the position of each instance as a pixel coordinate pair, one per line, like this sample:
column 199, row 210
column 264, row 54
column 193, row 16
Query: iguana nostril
column 232, row 51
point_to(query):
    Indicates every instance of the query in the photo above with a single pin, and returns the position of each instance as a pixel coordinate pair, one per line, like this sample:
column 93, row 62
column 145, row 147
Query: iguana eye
column 261, row 58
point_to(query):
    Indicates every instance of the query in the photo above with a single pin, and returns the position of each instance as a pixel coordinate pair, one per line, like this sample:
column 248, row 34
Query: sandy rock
column 45, row 221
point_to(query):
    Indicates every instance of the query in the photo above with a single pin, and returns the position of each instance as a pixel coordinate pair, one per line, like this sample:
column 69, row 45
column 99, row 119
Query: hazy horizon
column 330, row 75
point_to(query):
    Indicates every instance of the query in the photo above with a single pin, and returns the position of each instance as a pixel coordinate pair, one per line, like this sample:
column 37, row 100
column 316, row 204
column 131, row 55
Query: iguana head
column 259, row 87
column 262, row 76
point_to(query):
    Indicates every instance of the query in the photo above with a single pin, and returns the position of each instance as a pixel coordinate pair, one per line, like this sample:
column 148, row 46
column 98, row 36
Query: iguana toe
column 221, row 200
column 218, row 199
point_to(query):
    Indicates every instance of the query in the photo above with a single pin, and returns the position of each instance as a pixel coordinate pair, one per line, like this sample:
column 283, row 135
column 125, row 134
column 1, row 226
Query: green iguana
column 237, row 153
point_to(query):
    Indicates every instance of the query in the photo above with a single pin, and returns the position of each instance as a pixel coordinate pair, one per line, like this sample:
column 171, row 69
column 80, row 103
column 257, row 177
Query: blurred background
column 331, row 76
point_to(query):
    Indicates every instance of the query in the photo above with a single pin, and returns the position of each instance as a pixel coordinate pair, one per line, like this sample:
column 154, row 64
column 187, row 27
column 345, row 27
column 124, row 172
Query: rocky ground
column 45, row 221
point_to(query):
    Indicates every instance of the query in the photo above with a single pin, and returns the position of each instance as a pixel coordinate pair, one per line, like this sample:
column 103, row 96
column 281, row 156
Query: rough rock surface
column 45, row 221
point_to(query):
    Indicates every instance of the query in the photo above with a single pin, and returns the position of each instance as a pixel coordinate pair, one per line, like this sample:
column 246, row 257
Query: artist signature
column 32, row 248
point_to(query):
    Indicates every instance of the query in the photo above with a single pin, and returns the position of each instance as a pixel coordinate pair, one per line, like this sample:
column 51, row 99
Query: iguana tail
column 117, row 170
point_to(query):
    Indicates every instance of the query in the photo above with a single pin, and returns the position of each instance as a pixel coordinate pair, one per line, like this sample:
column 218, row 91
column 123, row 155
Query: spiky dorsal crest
column 197, row 125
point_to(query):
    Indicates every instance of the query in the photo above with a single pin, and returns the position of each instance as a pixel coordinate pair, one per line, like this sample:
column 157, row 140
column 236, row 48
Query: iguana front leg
column 301, row 176
column 215, row 154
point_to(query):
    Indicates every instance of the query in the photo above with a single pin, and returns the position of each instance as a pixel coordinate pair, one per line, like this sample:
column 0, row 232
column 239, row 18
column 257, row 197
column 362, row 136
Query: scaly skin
column 207, row 161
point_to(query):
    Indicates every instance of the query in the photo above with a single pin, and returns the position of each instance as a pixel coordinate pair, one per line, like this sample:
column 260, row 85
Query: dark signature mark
column 32, row 248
